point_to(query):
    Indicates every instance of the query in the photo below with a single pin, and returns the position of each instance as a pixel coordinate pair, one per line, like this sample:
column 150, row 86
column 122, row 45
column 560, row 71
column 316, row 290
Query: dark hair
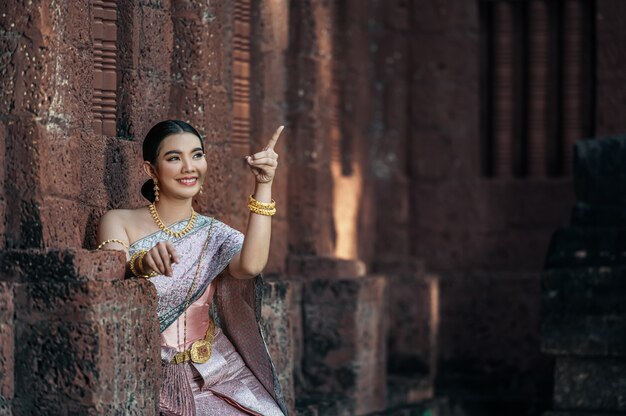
column 152, row 145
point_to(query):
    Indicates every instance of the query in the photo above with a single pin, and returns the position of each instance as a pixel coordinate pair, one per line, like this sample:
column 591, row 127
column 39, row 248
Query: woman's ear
column 149, row 169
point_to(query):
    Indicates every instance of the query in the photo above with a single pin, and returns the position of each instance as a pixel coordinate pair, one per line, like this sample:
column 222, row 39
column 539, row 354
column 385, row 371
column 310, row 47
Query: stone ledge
column 61, row 265
column 324, row 267
column 344, row 352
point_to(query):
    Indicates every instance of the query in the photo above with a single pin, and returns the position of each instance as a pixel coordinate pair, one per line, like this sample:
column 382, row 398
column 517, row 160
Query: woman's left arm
column 252, row 258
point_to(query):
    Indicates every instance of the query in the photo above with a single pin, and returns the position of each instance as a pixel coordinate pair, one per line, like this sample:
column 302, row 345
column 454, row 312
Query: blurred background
column 427, row 160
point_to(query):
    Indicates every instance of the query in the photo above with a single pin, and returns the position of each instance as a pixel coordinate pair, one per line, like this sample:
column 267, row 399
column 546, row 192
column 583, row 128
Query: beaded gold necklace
column 163, row 227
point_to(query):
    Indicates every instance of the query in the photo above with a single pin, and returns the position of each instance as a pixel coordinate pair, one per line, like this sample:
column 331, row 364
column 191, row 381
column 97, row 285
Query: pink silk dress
column 224, row 385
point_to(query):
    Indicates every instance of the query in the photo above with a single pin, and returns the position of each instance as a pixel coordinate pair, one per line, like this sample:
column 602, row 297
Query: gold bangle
column 261, row 205
column 131, row 263
column 260, row 211
column 140, row 267
column 112, row 240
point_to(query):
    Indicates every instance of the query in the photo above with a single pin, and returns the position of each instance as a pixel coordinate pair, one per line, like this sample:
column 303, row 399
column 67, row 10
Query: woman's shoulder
column 123, row 216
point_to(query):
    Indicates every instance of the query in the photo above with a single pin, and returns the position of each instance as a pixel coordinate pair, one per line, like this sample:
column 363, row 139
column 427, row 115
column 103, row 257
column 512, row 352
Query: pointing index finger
column 272, row 142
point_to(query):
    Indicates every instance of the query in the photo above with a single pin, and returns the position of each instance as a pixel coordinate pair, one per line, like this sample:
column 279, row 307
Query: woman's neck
column 173, row 210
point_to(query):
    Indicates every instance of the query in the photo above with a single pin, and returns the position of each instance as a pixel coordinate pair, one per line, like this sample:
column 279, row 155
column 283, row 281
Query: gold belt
column 200, row 350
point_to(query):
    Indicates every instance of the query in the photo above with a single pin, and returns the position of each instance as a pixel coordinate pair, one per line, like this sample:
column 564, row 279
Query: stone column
column 583, row 312
column 78, row 338
column 269, row 27
column 340, row 350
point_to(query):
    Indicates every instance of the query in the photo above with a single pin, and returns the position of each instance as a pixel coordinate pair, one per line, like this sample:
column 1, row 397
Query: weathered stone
column 277, row 327
column 94, row 349
column 587, row 247
column 413, row 299
column 345, row 342
column 7, row 343
column 610, row 41
column 321, row 267
column 61, row 265
column 590, row 384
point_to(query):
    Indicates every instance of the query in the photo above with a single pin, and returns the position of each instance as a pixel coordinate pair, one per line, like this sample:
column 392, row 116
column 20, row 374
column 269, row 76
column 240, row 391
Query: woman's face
column 180, row 165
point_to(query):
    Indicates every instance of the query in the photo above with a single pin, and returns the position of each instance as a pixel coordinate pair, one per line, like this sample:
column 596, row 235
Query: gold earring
column 201, row 189
column 156, row 190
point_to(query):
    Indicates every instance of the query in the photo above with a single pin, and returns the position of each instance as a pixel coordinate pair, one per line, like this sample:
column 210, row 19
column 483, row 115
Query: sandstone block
column 413, row 313
column 590, row 384
column 61, row 265
column 321, row 267
column 7, row 343
column 345, row 340
column 277, row 327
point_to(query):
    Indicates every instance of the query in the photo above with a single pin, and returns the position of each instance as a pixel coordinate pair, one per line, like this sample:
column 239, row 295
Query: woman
column 213, row 354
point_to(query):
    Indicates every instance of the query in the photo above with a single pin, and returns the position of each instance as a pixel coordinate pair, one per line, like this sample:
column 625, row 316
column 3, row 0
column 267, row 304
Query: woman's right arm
column 111, row 227
column 159, row 258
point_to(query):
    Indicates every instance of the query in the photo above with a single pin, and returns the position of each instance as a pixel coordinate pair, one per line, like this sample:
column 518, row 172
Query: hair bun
column 147, row 190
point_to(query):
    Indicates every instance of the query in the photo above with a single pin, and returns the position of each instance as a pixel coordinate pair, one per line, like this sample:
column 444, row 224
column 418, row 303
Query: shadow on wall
column 116, row 183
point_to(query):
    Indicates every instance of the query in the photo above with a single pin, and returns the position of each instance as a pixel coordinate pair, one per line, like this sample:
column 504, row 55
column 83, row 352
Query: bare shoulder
column 120, row 223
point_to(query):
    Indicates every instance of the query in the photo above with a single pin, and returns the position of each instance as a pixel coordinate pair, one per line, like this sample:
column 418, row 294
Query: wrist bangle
column 261, row 205
column 141, row 269
column 131, row 263
column 260, row 211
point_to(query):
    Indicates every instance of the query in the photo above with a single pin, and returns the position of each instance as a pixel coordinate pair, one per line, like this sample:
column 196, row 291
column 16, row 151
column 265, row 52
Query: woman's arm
column 252, row 258
column 159, row 258
column 111, row 228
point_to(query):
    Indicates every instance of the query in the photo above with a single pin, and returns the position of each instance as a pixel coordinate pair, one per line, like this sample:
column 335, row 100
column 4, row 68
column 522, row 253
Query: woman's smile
column 188, row 181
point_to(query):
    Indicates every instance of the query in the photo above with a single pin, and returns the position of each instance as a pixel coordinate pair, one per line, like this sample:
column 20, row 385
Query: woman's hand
column 264, row 163
column 160, row 258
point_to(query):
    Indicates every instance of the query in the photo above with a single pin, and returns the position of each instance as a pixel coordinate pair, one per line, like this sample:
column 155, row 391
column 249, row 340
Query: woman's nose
column 187, row 164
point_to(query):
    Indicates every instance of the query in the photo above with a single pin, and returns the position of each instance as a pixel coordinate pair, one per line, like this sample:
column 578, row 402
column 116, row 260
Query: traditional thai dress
column 239, row 378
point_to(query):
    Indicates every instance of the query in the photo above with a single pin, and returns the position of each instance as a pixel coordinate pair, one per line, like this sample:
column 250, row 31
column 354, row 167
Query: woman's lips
column 188, row 181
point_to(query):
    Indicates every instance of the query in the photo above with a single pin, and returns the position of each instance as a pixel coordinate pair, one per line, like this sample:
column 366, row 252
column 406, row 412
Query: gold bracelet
column 261, row 205
column 140, row 267
column 260, row 211
column 113, row 240
column 131, row 263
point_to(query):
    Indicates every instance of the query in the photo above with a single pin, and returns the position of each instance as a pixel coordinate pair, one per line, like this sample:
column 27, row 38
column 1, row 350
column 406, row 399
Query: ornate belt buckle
column 200, row 351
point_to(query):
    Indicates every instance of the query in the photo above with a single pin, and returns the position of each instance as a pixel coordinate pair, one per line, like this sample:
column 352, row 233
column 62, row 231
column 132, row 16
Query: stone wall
column 384, row 214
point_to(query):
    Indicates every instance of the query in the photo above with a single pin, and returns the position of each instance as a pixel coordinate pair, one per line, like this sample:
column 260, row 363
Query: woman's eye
column 173, row 158
column 198, row 155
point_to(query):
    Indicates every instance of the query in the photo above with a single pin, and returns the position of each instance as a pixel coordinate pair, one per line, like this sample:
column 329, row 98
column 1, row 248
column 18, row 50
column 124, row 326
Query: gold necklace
column 157, row 219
